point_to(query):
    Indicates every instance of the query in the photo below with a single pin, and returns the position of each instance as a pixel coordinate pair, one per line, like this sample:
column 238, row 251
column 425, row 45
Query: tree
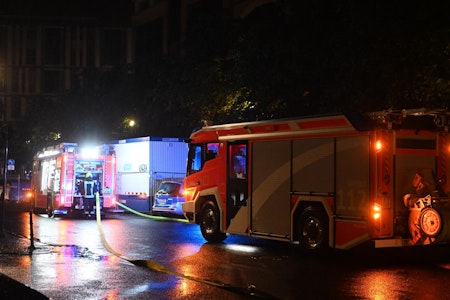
column 285, row 58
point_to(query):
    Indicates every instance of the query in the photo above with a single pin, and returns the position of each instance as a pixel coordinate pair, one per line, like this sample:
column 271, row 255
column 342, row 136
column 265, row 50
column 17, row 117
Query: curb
column 12, row 289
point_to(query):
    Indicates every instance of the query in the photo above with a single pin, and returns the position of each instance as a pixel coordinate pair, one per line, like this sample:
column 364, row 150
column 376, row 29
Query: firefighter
column 89, row 191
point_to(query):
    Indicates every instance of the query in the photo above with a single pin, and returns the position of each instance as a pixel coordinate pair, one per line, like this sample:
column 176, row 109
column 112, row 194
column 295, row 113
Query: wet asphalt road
column 71, row 262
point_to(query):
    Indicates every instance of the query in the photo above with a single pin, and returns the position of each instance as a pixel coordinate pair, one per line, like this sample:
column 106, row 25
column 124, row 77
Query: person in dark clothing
column 90, row 189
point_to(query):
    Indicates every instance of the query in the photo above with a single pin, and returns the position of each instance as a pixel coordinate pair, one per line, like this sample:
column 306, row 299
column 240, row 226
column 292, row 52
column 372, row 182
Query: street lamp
column 129, row 125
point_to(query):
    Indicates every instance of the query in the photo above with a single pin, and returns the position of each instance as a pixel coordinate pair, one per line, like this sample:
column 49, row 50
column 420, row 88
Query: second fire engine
column 65, row 179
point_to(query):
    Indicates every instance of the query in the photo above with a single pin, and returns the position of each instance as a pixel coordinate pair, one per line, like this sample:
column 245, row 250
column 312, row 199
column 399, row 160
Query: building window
column 16, row 108
column 2, row 79
column 14, row 80
column 52, row 81
column 3, row 43
column 30, row 53
column 112, row 47
column 53, row 46
column 90, row 51
column 31, row 81
column 2, row 109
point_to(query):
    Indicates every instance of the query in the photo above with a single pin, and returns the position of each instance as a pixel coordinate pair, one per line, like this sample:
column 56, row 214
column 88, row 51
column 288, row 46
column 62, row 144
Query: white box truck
column 143, row 163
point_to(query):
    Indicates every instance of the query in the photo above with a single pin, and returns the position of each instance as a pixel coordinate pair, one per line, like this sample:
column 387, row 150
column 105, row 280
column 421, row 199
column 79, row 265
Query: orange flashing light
column 378, row 145
column 376, row 211
column 189, row 193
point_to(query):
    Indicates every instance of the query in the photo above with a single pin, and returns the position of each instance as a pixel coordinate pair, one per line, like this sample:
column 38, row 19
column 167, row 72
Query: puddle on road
column 81, row 252
column 151, row 286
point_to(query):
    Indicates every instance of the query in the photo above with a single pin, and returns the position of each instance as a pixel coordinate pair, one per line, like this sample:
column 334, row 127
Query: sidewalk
column 9, row 288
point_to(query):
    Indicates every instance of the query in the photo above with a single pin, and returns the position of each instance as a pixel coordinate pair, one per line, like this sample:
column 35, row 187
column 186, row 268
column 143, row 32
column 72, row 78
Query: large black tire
column 313, row 229
column 210, row 223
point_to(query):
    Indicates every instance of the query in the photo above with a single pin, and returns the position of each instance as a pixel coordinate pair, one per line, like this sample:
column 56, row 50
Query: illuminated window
column 199, row 154
column 238, row 161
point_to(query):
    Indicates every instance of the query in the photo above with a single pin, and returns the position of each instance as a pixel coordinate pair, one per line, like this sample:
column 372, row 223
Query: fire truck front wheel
column 312, row 229
column 210, row 223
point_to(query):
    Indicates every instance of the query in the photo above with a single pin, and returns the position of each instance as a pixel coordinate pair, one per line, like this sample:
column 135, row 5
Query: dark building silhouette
column 51, row 47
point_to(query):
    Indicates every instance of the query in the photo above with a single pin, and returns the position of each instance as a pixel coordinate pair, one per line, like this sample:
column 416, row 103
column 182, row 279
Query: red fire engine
column 59, row 173
column 325, row 181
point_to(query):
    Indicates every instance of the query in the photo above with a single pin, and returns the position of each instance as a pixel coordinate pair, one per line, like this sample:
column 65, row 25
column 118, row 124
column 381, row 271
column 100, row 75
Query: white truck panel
column 142, row 163
column 133, row 164
column 168, row 156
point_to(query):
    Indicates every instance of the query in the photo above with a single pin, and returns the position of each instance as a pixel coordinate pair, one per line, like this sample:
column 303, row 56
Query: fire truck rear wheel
column 312, row 229
column 210, row 223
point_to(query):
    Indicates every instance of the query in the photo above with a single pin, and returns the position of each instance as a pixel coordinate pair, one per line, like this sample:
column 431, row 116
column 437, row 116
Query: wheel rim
column 312, row 232
column 430, row 222
column 209, row 221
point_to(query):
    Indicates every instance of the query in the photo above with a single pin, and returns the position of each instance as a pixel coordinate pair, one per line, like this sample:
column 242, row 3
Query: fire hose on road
column 251, row 290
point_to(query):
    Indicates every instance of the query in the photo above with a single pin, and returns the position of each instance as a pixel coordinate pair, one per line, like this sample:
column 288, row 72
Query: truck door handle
column 198, row 182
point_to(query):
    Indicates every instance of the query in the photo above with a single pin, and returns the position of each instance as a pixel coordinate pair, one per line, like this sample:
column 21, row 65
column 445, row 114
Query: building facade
column 47, row 53
column 45, row 60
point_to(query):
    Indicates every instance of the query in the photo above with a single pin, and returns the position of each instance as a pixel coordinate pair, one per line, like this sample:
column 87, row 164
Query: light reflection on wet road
column 81, row 268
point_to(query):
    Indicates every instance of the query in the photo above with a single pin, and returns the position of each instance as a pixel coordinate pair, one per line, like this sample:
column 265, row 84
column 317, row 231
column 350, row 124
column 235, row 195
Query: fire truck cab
column 324, row 181
column 59, row 173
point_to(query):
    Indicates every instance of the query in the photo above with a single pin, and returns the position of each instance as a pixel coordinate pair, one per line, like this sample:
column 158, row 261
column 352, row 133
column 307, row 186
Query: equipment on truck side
column 323, row 181
column 428, row 205
column 66, row 178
